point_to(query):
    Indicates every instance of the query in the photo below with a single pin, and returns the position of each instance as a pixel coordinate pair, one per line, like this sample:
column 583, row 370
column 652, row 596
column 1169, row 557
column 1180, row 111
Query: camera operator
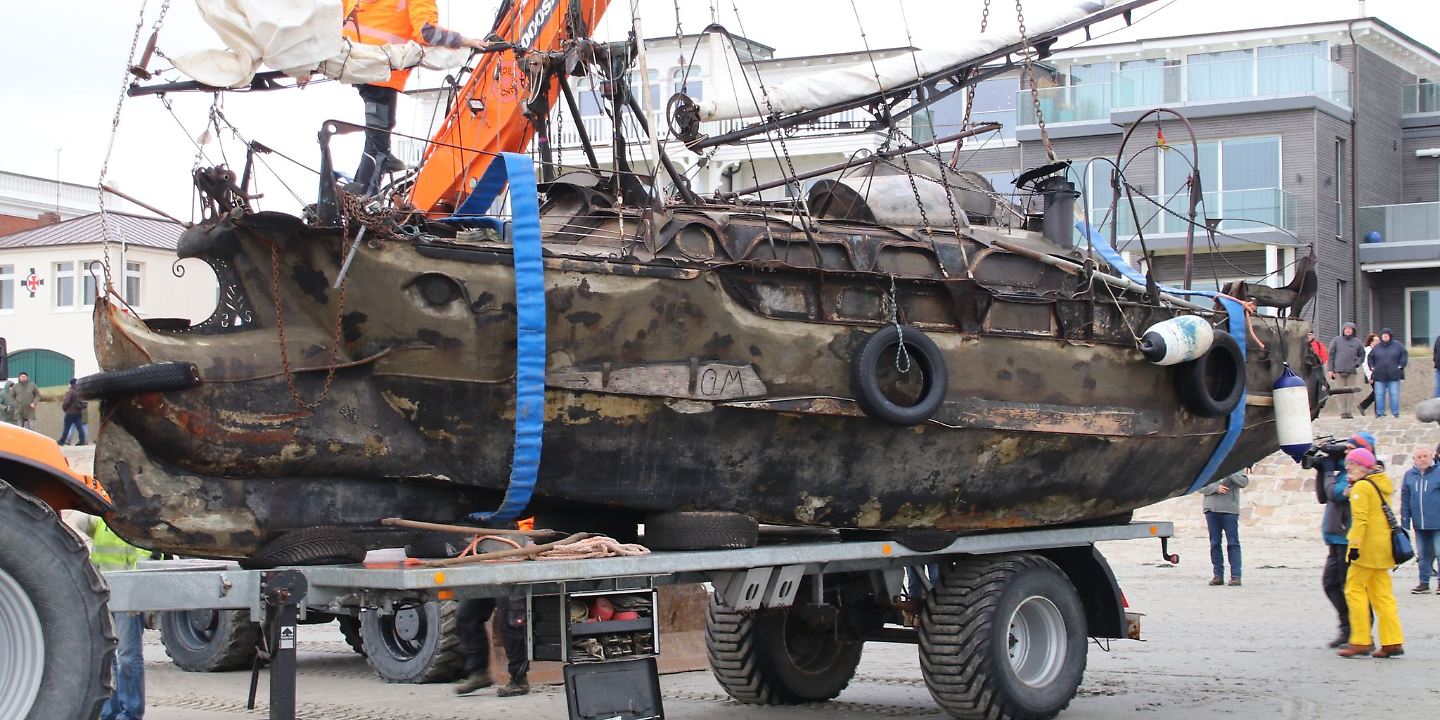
column 1327, row 459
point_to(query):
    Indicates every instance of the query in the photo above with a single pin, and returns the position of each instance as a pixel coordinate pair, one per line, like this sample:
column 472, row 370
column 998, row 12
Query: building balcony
column 1240, row 211
column 1222, row 87
column 1395, row 237
column 601, row 130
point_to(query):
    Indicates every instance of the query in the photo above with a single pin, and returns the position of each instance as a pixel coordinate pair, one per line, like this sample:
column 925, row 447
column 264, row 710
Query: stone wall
column 1280, row 501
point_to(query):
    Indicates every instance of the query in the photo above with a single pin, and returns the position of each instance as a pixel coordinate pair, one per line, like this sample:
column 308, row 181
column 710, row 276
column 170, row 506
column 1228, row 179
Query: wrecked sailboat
column 903, row 349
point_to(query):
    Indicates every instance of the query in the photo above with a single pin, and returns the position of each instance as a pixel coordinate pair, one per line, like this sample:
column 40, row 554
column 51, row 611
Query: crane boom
column 494, row 110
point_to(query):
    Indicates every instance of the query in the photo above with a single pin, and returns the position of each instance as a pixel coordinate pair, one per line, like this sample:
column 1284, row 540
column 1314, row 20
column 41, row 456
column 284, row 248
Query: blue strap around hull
column 1236, row 312
column 518, row 171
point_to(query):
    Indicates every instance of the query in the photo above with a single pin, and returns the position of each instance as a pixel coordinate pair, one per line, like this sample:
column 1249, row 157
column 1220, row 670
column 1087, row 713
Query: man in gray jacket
column 1347, row 355
column 1222, row 515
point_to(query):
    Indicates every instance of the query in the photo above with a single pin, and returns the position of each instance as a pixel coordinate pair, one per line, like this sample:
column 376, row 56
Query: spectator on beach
column 1345, row 358
column 24, row 396
column 1387, row 362
column 74, row 408
column 1222, row 516
column 1420, row 507
column 1334, row 483
column 1367, row 582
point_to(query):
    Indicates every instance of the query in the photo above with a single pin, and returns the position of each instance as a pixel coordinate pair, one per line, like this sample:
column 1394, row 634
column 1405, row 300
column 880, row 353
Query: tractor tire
column 56, row 633
column 767, row 658
column 310, row 546
column 156, row 377
column 418, row 643
column 1002, row 637
column 209, row 640
column 701, row 531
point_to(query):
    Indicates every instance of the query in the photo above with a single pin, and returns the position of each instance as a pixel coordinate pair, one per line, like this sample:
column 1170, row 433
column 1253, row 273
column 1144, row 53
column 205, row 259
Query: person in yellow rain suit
column 391, row 22
column 1367, row 583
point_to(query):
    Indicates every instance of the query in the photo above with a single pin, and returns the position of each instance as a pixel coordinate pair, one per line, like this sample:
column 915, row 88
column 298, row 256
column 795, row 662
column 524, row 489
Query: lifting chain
column 1030, row 78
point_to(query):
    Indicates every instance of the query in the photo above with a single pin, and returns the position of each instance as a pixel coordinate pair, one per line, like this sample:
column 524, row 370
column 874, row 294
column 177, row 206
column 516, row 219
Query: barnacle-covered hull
column 705, row 366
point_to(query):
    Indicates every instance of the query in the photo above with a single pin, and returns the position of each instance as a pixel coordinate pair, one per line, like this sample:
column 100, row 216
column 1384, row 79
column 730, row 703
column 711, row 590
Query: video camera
column 1325, row 448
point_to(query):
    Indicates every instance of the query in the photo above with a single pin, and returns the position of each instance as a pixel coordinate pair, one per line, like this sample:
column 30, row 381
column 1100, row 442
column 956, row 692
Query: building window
column 7, row 287
column 1340, row 292
column 89, row 283
column 1339, row 188
column 689, row 80
column 995, row 102
column 1145, row 83
column 1220, row 75
column 1292, row 68
column 587, row 94
column 1240, row 178
column 64, row 278
column 132, row 283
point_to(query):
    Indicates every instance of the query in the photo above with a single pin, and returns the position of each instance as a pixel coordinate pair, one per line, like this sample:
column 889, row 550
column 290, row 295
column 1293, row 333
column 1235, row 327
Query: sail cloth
column 844, row 84
column 298, row 38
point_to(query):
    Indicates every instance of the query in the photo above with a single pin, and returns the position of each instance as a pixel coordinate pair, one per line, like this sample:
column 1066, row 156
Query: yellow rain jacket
column 1369, row 530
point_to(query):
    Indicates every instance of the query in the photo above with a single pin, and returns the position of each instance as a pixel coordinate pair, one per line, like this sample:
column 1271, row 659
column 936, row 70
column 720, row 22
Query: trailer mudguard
column 1090, row 573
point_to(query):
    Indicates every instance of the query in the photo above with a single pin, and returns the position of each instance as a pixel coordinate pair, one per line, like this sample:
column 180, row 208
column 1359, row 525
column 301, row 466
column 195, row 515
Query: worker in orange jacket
column 391, row 22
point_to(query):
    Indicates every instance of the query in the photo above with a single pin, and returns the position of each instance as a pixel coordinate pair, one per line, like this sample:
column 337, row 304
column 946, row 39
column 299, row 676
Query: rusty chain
column 1030, row 78
column 900, row 350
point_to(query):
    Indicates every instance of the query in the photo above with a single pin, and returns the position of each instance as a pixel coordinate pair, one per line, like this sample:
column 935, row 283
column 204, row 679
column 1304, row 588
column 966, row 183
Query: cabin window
column 7, row 287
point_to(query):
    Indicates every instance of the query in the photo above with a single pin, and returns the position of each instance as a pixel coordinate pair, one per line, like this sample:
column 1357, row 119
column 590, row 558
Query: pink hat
column 1362, row 457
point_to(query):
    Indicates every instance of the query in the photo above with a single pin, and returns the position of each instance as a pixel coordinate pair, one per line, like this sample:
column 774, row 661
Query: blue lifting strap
column 519, row 173
column 1233, row 308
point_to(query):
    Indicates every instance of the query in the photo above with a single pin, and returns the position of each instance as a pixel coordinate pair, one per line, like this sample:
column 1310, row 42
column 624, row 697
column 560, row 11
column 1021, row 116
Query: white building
column 50, row 276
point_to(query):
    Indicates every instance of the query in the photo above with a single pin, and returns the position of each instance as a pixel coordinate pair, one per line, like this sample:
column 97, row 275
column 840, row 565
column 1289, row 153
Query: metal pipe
column 151, row 208
column 1108, row 279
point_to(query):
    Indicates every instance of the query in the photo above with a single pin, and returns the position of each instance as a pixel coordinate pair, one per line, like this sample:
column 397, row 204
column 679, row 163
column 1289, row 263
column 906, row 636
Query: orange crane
column 504, row 100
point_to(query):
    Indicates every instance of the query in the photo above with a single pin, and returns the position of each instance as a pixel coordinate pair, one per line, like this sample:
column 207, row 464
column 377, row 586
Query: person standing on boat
column 1222, row 516
column 1420, row 506
column 1346, row 357
column 1334, row 524
column 1367, row 582
column 391, row 22
column 1387, row 366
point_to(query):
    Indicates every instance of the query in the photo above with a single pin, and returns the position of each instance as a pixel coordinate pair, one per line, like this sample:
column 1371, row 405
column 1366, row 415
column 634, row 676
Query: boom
column 498, row 109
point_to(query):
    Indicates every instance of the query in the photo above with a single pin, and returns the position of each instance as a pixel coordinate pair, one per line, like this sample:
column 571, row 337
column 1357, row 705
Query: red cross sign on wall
column 33, row 282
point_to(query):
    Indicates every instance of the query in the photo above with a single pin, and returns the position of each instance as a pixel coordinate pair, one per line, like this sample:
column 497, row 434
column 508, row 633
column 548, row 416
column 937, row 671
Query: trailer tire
column 350, row 629
column 756, row 662
column 155, row 377
column 418, row 643
column 701, row 531
column 52, row 605
column 923, row 352
column 1003, row 637
column 309, row 546
column 209, row 640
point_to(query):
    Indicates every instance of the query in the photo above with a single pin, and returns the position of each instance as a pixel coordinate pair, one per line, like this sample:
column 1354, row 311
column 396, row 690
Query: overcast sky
column 66, row 58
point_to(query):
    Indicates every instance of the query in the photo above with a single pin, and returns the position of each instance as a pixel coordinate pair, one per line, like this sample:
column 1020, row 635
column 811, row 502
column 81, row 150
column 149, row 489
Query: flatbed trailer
column 1001, row 618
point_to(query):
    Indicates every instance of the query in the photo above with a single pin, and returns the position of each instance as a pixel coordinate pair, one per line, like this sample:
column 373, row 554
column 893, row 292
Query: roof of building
column 87, row 230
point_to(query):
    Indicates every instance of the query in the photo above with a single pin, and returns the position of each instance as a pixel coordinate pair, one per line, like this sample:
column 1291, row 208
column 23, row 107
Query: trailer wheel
column 774, row 657
column 701, row 531
column 1003, row 637
column 350, row 628
column 57, row 641
column 418, row 643
column 209, row 640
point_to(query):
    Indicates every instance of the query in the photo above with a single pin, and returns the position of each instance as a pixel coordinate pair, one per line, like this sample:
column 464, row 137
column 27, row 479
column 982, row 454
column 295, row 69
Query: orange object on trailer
column 490, row 112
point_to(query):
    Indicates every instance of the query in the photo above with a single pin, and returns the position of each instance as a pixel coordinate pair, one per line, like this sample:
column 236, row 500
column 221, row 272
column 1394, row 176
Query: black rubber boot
column 476, row 681
column 518, row 685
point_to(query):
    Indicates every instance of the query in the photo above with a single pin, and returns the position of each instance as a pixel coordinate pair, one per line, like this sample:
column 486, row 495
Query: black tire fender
column 50, row 565
column 155, row 377
column 923, row 352
column 1214, row 383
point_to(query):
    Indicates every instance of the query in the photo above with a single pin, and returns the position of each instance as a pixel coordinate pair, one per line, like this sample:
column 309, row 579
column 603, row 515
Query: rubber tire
column 439, row 658
column 232, row 647
column 964, row 647
column 310, row 546
column 156, row 377
column 751, row 662
column 350, row 629
column 923, row 352
column 701, row 531
column 1190, row 376
column 51, row 564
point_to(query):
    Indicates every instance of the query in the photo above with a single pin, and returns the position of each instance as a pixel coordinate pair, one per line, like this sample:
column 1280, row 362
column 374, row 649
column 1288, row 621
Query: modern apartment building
column 1319, row 138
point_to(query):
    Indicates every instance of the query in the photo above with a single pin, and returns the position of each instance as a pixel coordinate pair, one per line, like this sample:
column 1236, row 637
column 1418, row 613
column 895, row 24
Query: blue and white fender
column 1292, row 414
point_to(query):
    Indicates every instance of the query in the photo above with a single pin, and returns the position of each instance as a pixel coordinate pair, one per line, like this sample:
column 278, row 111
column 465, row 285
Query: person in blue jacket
column 1387, row 361
column 1420, row 507
column 1334, row 525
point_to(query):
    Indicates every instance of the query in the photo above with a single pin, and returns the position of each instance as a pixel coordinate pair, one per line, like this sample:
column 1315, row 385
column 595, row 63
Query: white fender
column 1179, row 339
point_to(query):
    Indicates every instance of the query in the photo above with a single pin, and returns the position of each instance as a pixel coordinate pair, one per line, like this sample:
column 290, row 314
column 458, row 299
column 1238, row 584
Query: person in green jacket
column 24, row 396
column 110, row 552
column 7, row 405
column 1367, row 583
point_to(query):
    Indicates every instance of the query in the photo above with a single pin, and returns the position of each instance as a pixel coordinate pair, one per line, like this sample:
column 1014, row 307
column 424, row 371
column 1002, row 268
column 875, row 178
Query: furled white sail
column 840, row 85
column 297, row 37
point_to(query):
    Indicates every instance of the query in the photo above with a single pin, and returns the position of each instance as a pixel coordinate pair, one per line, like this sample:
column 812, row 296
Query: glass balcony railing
column 1190, row 83
column 1076, row 103
column 1411, row 222
column 1420, row 98
column 1239, row 210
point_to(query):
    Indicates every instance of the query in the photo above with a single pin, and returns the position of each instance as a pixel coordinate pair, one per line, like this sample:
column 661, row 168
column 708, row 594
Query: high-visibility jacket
column 109, row 551
column 396, row 22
